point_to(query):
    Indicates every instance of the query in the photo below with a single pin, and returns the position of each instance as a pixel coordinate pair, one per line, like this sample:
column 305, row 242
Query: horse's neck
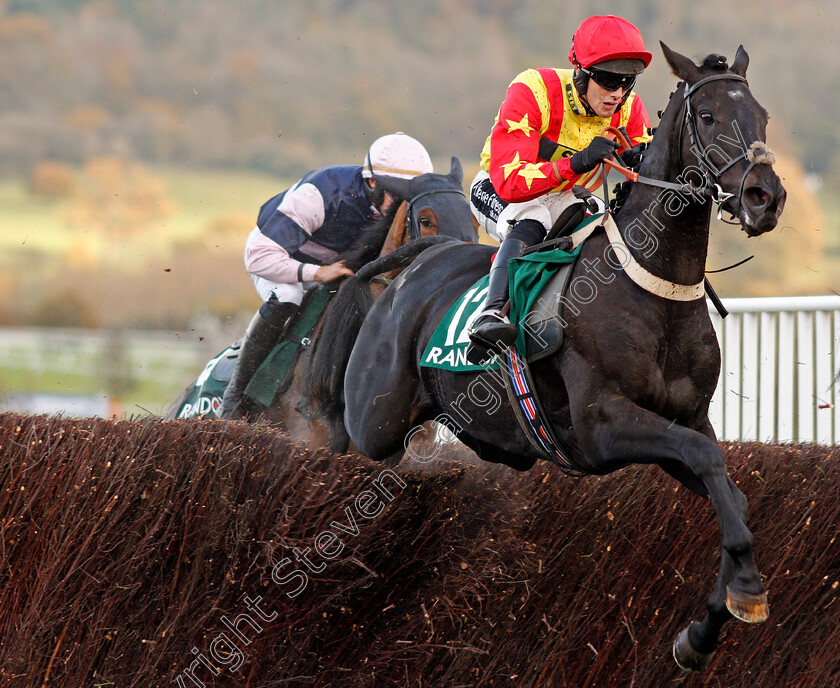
column 667, row 231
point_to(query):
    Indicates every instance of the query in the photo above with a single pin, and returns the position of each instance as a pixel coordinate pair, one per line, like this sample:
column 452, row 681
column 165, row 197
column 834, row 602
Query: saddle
column 542, row 327
column 539, row 279
column 539, row 299
column 274, row 376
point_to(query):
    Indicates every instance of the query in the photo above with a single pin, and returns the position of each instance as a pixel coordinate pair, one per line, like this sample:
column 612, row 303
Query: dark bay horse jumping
column 639, row 363
column 434, row 205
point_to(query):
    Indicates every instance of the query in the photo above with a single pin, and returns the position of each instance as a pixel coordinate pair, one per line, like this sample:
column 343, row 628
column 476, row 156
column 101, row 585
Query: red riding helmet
column 607, row 38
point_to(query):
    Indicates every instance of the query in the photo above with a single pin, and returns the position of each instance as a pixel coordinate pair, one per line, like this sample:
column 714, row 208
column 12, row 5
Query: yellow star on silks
column 512, row 165
column 531, row 172
column 522, row 125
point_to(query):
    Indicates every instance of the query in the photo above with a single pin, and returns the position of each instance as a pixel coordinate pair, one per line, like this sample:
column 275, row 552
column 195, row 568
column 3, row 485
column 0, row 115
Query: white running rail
column 779, row 370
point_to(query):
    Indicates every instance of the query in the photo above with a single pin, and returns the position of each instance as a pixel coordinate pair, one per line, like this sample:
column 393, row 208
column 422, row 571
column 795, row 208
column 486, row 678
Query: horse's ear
column 395, row 186
column 456, row 171
column 682, row 67
column 742, row 60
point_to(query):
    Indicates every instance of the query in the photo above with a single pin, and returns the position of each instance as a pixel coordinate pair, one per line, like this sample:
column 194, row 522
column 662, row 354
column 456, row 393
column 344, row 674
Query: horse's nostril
column 757, row 197
column 780, row 203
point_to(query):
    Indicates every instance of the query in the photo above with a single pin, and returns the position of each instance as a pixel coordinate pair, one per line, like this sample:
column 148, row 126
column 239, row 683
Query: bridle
column 758, row 153
column 412, row 224
column 710, row 170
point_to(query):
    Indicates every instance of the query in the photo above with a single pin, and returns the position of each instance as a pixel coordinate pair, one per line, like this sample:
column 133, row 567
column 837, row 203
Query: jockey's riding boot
column 493, row 332
column 262, row 334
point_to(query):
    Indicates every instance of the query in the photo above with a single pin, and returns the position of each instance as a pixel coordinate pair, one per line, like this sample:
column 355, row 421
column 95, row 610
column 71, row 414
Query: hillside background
column 138, row 139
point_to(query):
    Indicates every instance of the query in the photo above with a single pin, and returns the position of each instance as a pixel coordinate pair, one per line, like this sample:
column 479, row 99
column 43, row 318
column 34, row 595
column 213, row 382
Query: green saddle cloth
column 528, row 275
column 276, row 373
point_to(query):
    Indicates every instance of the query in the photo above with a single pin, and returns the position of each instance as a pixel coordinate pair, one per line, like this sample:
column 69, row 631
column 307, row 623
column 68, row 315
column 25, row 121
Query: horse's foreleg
column 617, row 432
column 740, row 500
column 694, row 647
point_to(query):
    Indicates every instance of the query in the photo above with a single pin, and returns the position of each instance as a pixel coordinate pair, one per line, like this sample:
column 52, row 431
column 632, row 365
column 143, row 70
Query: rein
column 758, row 153
column 411, row 224
column 720, row 197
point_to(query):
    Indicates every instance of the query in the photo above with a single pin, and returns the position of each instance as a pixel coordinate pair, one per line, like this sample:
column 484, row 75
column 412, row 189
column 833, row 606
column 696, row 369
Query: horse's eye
column 425, row 222
column 707, row 118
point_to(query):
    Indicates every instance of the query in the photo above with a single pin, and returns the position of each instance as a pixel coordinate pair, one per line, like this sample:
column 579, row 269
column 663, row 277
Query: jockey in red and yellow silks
column 540, row 124
column 546, row 136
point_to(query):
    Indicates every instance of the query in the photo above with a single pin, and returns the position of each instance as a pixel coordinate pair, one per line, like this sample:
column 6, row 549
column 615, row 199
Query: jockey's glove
column 592, row 156
column 632, row 157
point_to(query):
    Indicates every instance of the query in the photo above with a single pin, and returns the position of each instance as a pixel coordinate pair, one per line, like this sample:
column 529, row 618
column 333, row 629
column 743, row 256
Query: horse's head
column 723, row 139
column 436, row 204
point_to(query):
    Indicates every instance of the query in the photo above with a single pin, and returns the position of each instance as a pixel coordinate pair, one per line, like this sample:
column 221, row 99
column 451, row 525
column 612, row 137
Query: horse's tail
column 341, row 325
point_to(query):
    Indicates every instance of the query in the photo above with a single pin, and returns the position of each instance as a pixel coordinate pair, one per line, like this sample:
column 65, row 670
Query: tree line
column 284, row 87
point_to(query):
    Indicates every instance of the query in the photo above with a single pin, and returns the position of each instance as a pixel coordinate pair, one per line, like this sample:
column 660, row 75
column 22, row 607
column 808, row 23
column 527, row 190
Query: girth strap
column 531, row 415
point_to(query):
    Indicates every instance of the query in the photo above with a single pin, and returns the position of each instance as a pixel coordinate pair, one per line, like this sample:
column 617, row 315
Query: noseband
column 411, row 224
column 758, row 152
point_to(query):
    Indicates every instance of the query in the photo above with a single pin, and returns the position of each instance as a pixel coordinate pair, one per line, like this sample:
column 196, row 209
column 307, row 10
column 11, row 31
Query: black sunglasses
column 610, row 80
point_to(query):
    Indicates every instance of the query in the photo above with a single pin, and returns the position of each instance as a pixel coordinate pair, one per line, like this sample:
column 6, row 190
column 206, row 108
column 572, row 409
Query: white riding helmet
column 396, row 155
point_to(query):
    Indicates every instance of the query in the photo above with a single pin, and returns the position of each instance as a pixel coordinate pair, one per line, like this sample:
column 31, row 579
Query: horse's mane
column 370, row 241
column 622, row 190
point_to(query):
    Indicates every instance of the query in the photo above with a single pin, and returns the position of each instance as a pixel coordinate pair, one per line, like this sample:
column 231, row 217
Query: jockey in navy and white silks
column 305, row 227
column 299, row 235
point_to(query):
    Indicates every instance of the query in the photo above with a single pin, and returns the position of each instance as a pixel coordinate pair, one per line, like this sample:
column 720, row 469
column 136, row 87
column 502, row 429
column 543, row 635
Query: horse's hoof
column 747, row 607
column 686, row 657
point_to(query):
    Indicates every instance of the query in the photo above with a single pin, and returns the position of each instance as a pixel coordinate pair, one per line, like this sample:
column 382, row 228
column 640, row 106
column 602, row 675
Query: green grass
column 153, row 394
column 69, row 382
column 30, row 223
column 34, row 238
column 202, row 196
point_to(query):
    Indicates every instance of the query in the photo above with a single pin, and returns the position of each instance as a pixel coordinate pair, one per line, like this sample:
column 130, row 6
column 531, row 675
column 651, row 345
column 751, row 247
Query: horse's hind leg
column 617, row 431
